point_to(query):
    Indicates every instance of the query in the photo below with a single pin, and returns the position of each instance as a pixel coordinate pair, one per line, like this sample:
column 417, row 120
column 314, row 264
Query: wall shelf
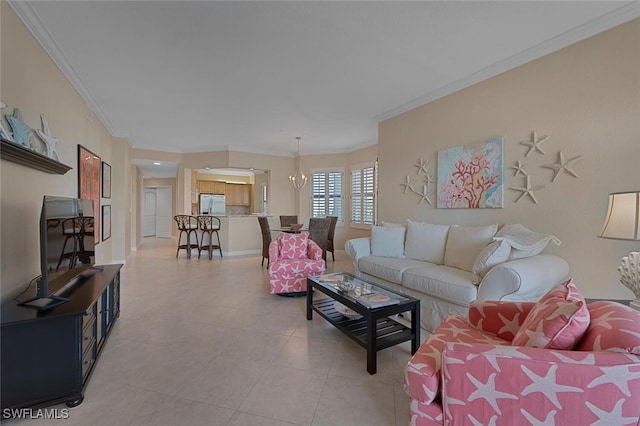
column 16, row 153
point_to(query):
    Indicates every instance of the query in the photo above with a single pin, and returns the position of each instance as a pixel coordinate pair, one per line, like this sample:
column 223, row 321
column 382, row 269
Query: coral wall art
column 471, row 176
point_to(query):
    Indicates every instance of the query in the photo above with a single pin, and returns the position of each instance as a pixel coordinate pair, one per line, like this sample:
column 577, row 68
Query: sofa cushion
column 614, row 328
column 558, row 321
column 492, row 254
column 387, row 241
column 422, row 373
column 446, row 283
column 293, row 246
column 426, row 241
column 464, row 243
column 388, row 268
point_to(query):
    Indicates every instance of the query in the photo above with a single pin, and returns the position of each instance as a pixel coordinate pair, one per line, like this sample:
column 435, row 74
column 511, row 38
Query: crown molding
column 32, row 21
column 623, row 14
column 628, row 12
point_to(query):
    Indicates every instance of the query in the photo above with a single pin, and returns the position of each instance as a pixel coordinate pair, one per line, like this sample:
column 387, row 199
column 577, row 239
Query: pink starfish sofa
column 556, row 361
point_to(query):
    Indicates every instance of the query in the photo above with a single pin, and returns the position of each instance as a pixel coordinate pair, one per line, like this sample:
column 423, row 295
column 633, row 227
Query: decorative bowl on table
column 296, row 226
column 347, row 312
column 345, row 286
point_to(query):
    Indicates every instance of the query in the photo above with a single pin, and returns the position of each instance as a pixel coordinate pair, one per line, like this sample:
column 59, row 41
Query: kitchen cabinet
column 238, row 194
column 211, row 187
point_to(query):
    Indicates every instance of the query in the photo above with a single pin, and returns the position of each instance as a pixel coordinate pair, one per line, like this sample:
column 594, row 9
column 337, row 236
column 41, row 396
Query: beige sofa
column 447, row 267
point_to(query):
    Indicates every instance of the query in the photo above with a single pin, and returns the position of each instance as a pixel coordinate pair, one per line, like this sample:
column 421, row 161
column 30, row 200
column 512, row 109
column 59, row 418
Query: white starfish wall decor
column 535, row 144
column 562, row 166
column 426, row 193
column 519, row 168
column 51, row 141
column 528, row 190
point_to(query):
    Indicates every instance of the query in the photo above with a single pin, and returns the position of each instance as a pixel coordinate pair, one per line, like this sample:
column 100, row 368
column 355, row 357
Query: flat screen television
column 67, row 248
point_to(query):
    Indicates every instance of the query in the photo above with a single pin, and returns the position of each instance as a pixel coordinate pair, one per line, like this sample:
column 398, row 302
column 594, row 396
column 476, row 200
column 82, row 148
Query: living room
column 584, row 97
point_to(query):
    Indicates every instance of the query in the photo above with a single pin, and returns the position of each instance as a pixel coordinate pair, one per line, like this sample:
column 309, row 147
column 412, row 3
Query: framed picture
column 471, row 176
column 106, row 180
column 89, row 182
column 106, row 222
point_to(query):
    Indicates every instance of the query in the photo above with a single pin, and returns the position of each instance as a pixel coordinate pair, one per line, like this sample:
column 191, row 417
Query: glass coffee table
column 363, row 310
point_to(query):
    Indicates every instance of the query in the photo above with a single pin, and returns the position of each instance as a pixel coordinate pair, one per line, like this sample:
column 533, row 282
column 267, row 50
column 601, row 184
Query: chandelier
column 298, row 180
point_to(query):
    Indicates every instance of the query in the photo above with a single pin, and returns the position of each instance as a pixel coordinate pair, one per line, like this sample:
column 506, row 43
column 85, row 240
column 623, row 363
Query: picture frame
column 106, row 222
column 106, row 180
column 472, row 176
column 89, row 165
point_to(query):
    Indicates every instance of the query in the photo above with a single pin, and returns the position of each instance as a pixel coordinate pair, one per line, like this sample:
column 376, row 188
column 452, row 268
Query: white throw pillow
column 387, row 242
column 392, row 225
column 465, row 243
column 492, row 254
column 426, row 241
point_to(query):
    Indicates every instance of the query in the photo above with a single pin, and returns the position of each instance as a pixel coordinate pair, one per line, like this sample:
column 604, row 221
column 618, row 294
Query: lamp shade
column 623, row 217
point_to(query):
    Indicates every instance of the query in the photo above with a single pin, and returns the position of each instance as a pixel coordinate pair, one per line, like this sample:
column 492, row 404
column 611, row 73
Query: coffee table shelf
column 375, row 330
column 388, row 331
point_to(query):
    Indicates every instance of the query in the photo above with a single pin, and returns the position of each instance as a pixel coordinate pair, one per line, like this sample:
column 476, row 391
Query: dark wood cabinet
column 47, row 357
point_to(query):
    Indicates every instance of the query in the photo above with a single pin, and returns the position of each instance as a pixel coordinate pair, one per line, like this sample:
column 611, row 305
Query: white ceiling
column 197, row 76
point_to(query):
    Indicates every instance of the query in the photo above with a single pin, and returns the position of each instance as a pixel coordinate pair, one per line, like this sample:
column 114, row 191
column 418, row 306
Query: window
column 326, row 193
column 363, row 194
column 265, row 206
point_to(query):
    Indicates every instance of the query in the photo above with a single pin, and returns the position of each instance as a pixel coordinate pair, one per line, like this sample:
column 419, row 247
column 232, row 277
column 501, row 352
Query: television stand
column 48, row 355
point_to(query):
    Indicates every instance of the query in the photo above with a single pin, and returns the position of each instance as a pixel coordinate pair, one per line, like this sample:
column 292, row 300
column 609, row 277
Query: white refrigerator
column 213, row 204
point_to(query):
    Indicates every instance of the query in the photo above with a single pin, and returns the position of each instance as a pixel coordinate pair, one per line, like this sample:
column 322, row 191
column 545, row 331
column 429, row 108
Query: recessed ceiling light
column 156, row 163
column 207, row 168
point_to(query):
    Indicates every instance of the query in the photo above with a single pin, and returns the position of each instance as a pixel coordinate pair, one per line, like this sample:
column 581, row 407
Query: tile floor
column 202, row 342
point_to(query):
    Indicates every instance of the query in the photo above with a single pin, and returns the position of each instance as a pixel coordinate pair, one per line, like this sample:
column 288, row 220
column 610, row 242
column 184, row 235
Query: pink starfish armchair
column 292, row 258
column 556, row 361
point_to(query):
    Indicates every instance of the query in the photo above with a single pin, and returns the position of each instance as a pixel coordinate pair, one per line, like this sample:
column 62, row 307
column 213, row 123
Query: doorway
column 156, row 220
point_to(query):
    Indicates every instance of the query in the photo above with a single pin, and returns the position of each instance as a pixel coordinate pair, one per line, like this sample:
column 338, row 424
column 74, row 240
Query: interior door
column 149, row 216
column 163, row 213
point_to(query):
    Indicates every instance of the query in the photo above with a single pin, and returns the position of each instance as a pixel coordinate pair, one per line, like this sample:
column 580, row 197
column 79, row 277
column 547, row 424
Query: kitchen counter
column 240, row 235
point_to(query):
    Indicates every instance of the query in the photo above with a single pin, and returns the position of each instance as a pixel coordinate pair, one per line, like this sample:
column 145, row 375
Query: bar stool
column 187, row 225
column 208, row 225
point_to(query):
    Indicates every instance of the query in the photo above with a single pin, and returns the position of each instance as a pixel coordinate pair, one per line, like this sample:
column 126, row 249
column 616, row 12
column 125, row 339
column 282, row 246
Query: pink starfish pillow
column 293, row 246
column 614, row 328
column 558, row 321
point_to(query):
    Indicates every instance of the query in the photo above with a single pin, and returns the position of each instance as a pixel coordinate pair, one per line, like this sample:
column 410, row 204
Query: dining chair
column 266, row 238
column 288, row 220
column 332, row 231
column 209, row 225
column 319, row 233
column 187, row 225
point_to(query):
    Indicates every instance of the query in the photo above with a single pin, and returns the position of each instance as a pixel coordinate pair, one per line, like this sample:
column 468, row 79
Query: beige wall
column 31, row 81
column 586, row 98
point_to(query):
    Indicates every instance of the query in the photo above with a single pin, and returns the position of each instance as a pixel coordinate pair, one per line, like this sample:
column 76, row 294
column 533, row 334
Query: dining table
column 288, row 230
